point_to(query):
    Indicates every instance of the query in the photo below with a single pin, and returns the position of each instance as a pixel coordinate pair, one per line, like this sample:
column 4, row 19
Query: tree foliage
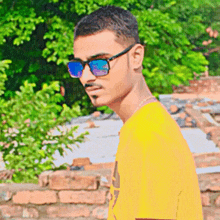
column 37, row 36
column 27, row 125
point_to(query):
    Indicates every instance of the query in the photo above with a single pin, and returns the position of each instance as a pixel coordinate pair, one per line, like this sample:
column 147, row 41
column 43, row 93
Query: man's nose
column 87, row 74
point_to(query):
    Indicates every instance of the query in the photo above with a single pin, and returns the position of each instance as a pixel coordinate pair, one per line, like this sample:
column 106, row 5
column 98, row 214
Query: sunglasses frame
column 107, row 60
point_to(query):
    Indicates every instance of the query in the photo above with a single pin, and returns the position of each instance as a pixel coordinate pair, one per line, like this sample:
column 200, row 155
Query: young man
column 154, row 175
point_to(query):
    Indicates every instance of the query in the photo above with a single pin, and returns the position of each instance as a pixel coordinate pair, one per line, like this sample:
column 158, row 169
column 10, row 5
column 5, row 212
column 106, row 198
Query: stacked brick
column 209, row 128
column 191, row 115
column 84, row 195
column 60, row 195
column 204, row 85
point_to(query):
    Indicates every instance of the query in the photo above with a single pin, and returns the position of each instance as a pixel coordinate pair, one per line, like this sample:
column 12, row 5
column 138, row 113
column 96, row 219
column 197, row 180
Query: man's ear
column 137, row 56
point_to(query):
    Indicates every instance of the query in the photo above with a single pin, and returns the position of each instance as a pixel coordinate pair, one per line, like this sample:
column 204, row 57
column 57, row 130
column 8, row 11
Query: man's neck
column 133, row 101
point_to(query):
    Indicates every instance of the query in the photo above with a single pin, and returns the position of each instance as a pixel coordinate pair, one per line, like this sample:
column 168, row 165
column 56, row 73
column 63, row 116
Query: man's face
column 118, row 83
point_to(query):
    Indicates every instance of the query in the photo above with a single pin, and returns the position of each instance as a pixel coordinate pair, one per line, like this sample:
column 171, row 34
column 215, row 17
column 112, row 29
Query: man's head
column 101, row 35
column 111, row 18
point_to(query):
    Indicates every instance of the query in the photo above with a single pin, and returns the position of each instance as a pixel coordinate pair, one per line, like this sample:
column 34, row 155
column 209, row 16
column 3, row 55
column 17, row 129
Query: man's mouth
column 92, row 88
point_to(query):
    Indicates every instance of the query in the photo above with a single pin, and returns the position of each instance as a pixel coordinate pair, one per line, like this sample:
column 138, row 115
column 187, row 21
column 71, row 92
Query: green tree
column 38, row 36
column 27, row 123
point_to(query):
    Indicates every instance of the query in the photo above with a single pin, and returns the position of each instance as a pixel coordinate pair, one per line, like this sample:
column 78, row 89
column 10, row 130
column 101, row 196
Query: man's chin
column 96, row 102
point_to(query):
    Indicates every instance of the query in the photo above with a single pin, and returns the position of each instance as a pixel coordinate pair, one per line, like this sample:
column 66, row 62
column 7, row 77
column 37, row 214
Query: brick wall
column 204, row 85
column 84, row 195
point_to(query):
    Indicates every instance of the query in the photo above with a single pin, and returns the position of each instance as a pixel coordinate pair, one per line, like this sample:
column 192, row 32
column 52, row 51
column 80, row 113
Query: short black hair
column 111, row 18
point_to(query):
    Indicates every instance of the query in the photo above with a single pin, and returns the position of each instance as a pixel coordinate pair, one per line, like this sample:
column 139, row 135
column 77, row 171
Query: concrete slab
column 215, row 169
column 102, row 143
column 197, row 141
column 210, row 119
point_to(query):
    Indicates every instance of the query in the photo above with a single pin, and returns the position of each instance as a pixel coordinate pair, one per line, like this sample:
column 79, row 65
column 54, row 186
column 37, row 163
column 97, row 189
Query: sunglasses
column 98, row 67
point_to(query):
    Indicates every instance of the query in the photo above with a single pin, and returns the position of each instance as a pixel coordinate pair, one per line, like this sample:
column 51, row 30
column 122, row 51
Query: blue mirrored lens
column 75, row 69
column 99, row 67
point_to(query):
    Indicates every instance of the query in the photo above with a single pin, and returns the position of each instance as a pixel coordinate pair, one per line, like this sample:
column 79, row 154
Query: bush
column 26, row 126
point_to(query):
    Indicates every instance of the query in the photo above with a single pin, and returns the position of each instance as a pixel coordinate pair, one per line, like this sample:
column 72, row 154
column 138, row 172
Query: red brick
column 201, row 121
column 209, row 129
column 208, row 213
column 22, row 197
column 182, row 115
column 70, row 211
column 173, row 108
column 214, row 188
column 5, row 196
column 72, row 180
column 206, row 110
column 210, row 102
column 97, row 166
column 217, row 201
column 43, row 179
column 96, row 197
column 96, row 114
column 100, row 212
column 81, row 161
column 188, row 124
column 91, row 124
column 205, row 199
column 217, row 213
column 35, row 197
column 30, row 213
column 189, row 105
column 106, row 180
column 215, row 134
column 209, row 181
column 207, row 159
column 43, row 197
column 202, row 104
column 11, row 211
column 217, row 118
column 188, row 119
column 109, row 196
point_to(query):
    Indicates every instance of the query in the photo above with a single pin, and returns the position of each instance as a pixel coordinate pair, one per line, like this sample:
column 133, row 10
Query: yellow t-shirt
column 154, row 175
